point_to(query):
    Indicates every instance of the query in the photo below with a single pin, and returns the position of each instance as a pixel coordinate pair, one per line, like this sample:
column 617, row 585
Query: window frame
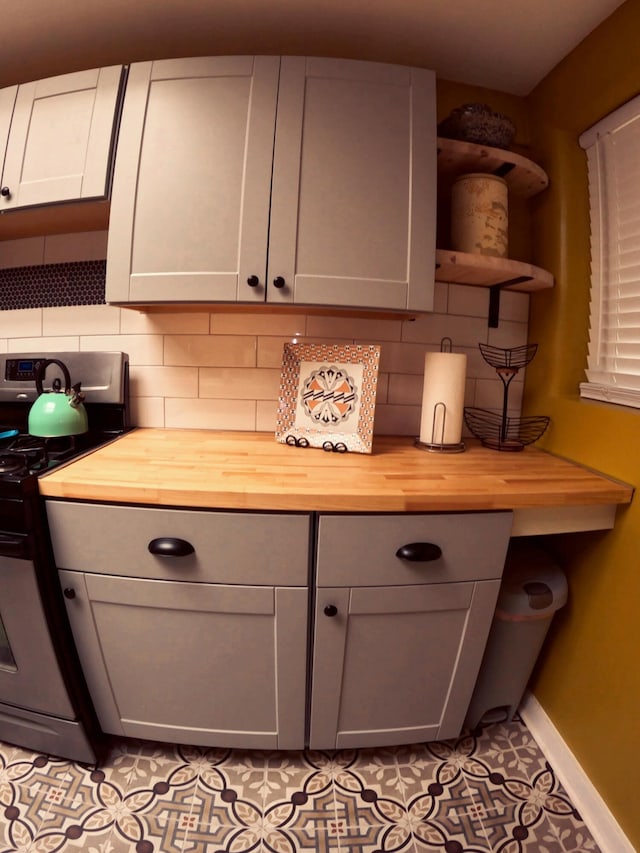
column 605, row 381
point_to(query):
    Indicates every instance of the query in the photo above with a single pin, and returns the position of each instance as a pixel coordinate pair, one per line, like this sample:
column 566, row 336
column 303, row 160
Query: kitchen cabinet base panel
column 202, row 737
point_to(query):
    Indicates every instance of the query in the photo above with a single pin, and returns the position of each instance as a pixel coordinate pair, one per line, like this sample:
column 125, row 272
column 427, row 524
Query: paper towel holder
column 434, row 445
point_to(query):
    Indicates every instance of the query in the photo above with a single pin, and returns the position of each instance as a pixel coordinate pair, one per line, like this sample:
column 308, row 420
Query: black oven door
column 30, row 677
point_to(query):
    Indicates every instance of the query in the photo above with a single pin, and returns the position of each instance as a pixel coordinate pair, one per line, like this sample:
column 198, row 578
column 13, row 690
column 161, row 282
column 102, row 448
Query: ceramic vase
column 480, row 215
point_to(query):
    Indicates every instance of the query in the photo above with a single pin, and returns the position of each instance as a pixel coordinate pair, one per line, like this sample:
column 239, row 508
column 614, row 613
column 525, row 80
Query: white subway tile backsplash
column 270, row 351
column 432, row 328
column 508, row 334
column 405, row 389
column 239, row 383
column 291, row 325
column 44, row 344
column 468, row 301
column 143, row 323
column 221, row 370
column 514, row 306
column 382, row 388
column 81, row 320
column 24, row 323
column 142, row 349
column 210, row 350
column 489, row 395
column 402, row 358
column 356, row 329
column 147, row 411
column 397, row 420
column 266, row 416
column 210, row 414
column 164, row 381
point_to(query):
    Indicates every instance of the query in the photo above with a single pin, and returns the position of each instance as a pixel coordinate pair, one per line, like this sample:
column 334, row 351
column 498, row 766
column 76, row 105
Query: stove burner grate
column 12, row 464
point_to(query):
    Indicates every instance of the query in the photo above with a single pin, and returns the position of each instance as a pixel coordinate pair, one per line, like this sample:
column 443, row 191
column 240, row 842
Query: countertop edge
column 251, row 471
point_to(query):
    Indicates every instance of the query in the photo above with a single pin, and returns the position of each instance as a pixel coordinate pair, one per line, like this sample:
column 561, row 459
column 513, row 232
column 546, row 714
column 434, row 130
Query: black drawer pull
column 169, row 546
column 330, row 610
column 70, row 592
column 419, row 552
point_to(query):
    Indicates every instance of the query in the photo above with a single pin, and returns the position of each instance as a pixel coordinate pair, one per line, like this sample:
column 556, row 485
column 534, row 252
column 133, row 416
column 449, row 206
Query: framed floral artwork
column 328, row 396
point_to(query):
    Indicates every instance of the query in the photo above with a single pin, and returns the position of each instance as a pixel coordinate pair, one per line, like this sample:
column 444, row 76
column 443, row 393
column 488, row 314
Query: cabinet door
column 7, row 100
column 192, row 663
column 61, row 138
column 190, row 202
column 396, row 665
column 354, row 185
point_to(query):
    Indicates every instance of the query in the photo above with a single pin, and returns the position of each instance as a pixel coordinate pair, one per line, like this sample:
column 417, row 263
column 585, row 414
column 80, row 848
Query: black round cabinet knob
column 331, row 610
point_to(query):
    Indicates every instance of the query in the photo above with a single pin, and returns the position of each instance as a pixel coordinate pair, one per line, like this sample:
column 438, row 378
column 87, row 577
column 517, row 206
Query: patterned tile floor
column 493, row 792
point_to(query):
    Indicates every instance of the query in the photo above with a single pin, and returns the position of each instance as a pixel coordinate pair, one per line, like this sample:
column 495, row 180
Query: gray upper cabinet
column 7, row 102
column 190, row 205
column 353, row 204
column 293, row 181
column 57, row 138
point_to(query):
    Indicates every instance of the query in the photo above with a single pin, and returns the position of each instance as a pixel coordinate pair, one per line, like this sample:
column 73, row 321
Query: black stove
column 44, row 701
column 105, row 382
column 24, row 455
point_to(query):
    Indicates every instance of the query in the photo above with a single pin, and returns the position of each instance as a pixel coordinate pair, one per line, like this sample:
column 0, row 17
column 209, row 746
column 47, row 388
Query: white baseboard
column 593, row 809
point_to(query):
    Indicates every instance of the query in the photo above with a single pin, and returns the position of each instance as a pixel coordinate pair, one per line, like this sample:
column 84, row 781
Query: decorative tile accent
column 49, row 285
column 493, row 792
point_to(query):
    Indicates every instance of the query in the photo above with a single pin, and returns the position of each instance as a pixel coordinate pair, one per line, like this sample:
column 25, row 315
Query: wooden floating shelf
column 487, row 271
column 524, row 177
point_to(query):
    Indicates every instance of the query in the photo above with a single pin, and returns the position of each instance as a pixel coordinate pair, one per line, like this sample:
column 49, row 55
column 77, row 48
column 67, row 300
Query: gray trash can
column 533, row 588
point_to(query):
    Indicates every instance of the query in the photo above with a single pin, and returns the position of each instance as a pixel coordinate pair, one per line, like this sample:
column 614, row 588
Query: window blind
column 613, row 159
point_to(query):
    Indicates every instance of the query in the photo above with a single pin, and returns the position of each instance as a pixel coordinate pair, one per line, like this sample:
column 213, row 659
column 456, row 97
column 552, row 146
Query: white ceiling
column 509, row 45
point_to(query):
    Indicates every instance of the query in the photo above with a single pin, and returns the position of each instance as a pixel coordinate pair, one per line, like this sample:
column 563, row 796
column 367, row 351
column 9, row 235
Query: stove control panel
column 21, row 369
column 104, row 376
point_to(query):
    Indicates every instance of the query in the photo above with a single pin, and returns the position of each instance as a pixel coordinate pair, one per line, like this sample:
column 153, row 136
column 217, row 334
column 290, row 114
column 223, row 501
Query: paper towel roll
column 444, row 381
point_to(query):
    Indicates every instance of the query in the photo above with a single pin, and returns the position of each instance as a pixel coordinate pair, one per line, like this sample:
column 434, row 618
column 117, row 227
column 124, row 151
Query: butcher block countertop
column 252, row 471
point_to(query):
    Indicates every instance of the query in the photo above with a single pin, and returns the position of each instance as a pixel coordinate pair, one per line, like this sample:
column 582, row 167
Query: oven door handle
column 14, row 545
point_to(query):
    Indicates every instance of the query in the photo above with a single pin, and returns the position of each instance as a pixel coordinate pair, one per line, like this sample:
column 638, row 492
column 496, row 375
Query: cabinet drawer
column 361, row 550
column 230, row 548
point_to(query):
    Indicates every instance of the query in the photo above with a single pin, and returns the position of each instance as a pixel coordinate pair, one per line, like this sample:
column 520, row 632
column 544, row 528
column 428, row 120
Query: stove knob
column 69, row 592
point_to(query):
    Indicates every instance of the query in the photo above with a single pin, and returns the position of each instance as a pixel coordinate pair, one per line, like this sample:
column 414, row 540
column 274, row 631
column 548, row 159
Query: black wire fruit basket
column 508, row 359
column 500, row 431
column 504, row 433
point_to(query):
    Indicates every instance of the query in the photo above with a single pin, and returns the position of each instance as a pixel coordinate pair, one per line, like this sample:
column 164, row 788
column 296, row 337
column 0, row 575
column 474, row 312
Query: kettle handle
column 42, row 369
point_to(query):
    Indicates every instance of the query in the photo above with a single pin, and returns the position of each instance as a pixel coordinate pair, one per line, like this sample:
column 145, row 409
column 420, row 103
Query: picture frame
column 328, row 395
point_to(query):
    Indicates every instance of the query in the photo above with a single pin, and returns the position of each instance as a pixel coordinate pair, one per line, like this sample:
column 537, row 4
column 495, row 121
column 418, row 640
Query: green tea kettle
column 56, row 413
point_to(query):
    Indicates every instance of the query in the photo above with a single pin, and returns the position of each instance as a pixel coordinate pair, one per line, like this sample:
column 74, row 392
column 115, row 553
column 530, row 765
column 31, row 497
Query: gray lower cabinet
column 403, row 608
column 207, row 646
column 193, row 663
column 193, row 626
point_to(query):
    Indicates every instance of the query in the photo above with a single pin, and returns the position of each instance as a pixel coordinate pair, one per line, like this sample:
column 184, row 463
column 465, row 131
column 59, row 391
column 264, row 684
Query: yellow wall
column 588, row 680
